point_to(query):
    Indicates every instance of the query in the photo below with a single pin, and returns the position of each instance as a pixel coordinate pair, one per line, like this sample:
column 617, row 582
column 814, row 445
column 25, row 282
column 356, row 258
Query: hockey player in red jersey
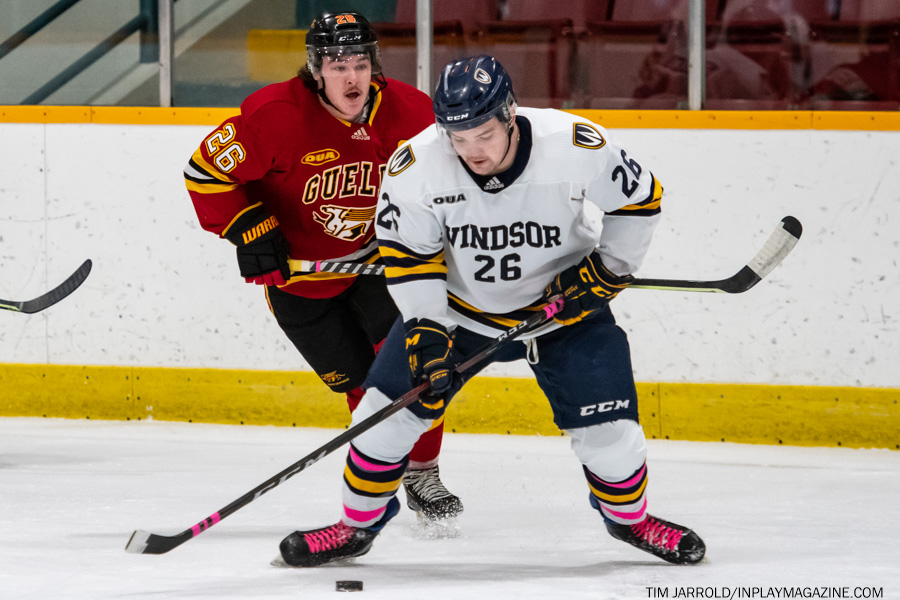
column 296, row 175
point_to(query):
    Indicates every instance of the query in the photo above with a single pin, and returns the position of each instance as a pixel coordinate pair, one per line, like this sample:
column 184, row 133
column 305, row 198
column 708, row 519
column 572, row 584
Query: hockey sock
column 622, row 502
column 368, row 486
column 424, row 454
column 355, row 395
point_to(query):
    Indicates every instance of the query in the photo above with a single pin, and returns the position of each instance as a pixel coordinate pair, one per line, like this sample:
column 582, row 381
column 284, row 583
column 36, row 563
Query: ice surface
column 71, row 493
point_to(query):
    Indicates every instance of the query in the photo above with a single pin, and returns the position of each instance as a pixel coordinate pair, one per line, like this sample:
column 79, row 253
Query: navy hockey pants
column 584, row 369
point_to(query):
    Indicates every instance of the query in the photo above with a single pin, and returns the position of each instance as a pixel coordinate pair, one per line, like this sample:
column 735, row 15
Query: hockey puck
column 348, row 586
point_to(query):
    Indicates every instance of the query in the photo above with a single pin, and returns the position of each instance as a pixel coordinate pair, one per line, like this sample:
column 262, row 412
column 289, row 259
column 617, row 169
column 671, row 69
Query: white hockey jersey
column 478, row 251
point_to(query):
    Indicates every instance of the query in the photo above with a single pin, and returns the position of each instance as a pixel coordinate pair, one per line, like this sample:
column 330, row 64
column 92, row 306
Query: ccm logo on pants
column 604, row 407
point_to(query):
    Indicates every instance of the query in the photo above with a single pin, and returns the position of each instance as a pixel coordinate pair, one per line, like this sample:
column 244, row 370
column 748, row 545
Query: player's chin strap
column 324, row 97
column 509, row 133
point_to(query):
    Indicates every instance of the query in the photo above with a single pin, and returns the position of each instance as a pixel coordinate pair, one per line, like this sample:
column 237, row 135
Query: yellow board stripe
column 116, row 115
column 45, row 114
column 714, row 412
column 638, row 119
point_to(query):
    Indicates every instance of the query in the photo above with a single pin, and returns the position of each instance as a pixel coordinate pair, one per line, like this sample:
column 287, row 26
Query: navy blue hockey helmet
column 472, row 91
column 338, row 35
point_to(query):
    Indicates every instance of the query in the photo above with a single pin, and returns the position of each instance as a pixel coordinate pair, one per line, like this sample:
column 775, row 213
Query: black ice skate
column 668, row 541
column 426, row 495
column 329, row 544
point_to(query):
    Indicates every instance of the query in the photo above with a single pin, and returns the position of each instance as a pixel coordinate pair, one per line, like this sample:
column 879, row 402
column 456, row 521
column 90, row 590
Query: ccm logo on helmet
column 603, row 407
column 457, row 117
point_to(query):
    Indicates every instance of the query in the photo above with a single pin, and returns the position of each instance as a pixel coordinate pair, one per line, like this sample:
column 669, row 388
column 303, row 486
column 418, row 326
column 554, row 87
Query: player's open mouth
column 352, row 95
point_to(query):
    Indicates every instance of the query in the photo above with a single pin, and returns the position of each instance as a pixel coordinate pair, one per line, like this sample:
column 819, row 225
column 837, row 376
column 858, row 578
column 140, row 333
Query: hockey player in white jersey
column 481, row 220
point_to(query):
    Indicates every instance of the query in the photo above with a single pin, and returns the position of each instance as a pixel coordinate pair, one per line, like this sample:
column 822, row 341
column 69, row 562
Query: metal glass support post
column 166, row 51
column 424, row 41
column 696, row 54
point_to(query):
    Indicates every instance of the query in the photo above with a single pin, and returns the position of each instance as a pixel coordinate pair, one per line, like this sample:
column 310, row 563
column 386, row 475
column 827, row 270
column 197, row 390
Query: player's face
column 346, row 82
column 484, row 148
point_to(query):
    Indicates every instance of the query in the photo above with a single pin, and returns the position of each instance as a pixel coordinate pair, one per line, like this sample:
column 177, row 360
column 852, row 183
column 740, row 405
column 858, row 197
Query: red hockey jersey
column 317, row 174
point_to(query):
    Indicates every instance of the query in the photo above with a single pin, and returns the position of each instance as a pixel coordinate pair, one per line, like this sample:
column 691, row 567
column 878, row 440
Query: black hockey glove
column 586, row 288
column 262, row 251
column 429, row 348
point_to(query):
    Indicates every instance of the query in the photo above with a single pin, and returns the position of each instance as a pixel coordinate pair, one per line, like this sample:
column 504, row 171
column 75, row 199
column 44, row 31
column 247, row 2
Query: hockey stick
column 53, row 296
column 143, row 542
column 779, row 244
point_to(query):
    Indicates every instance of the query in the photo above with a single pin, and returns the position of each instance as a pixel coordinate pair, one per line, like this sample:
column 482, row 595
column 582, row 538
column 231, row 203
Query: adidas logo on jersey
column 360, row 134
column 494, row 184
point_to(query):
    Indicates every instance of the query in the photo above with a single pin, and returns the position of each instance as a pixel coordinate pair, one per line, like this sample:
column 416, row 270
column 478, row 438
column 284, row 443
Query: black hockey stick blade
column 53, row 296
column 144, row 542
column 776, row 248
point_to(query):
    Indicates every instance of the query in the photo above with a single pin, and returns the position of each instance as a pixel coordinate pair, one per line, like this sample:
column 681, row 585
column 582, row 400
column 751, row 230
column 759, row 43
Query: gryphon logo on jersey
column 333, row 378
column 400, row 161
column 344, row 222
column 586, row 136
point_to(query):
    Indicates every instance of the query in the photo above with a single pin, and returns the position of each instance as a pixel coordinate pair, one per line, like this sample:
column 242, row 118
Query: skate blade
column 427, row 528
